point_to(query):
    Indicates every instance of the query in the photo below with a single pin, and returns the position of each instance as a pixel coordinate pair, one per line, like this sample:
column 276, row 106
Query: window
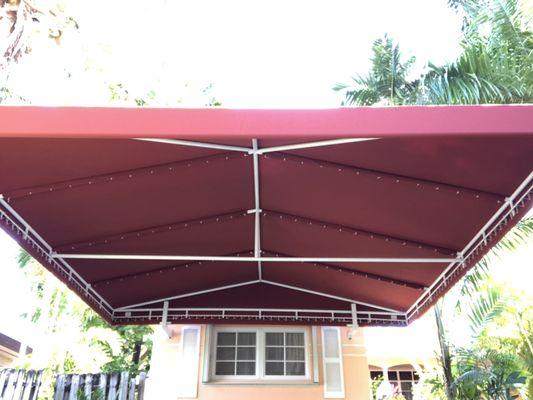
column 260, row 353
column 235, row 354
column 285, row 354
column 404, row 381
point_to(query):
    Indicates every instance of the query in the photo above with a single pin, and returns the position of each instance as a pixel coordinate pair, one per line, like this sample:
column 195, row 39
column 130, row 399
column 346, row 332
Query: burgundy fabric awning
column 297, row 216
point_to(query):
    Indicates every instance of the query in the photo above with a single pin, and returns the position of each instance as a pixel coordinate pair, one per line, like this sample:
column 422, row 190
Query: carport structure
column 351, row 215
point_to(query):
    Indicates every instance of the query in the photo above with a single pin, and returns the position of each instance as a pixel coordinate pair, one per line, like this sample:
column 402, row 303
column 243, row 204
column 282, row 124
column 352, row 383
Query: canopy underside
column 240, row 229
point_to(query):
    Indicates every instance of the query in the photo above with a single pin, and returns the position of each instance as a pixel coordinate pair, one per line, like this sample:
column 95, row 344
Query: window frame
column 216, row 331
column 260, row 354
column 307, row 344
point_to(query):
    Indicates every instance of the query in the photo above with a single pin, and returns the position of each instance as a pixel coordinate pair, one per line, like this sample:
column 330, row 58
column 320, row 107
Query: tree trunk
column 445, row 357
column 137, row 353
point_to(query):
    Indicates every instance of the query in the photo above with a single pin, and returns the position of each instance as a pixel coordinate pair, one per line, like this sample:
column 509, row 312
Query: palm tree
column 495, row 65
column 387, row 82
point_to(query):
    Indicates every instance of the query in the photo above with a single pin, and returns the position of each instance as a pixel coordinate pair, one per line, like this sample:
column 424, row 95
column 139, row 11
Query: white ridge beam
column 257, row 259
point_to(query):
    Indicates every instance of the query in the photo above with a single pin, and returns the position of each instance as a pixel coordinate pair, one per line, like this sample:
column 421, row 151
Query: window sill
column 261, row 383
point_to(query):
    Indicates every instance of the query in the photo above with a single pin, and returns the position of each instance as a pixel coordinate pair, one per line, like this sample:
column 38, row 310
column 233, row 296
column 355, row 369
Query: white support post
column 257, row 210
column 355, row 324
column 164, row 321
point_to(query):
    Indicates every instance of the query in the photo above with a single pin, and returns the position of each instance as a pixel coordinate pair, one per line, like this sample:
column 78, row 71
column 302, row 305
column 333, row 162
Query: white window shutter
column 190, row 355
column 332, row 363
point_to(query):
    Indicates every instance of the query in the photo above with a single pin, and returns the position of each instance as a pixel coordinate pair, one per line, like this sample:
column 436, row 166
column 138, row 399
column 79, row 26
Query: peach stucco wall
column 164, row 376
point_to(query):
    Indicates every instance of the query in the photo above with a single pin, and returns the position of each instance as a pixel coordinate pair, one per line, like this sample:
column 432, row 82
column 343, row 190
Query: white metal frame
column 478, row 241
column 152, row 257
column 28, row 234
column 58, row 260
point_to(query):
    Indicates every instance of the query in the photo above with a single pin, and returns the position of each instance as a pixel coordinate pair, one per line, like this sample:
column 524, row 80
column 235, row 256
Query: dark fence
column 115, row 386
column 17, row 384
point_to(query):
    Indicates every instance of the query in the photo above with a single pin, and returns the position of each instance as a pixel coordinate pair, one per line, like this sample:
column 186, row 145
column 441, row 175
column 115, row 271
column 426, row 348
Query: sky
column 266, row 54
column 255, row 54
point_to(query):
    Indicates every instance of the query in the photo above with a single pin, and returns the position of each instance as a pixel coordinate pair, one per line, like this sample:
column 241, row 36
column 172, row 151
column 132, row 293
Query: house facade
column 258, row 362
column 11, row 349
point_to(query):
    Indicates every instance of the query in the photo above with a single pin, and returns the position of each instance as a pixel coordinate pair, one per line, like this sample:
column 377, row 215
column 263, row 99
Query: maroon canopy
column 300, row 216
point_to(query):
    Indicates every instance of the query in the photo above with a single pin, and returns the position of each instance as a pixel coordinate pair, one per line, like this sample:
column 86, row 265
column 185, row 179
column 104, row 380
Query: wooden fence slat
column 59, row 389
column 19, row 384
column 81, row 385
column 140, row 386
column 123, row 386
column 3, row 379
column 11, row 380
column 28, row 383
column 88, row 390
column 74, row 384
column 36, row 385
column 131, row 390
column 102, row 385
column 112, row 387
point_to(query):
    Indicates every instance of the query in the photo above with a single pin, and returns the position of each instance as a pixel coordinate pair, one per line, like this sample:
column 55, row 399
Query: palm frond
column 485, row 308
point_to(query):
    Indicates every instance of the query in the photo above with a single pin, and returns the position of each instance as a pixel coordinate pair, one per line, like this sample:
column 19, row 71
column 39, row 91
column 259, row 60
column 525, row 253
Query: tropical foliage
column 387, row 82
column 77, row 339
column 495, row 64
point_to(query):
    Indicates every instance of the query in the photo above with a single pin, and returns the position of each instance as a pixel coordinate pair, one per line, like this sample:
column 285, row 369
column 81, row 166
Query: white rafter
column 190, row 143
column 322, row 294
column 308, row 145
column 190, row 294
column 257, row 211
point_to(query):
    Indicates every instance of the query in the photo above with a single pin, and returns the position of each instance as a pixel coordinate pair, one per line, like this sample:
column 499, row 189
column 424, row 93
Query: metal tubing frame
column 511, row 202
column 190, row 294
column 257, row 211
column 168, row 313
column 155, row 257
column 255, row 151
column 261, row 315
column 46, row 249
column 246, row 283
column 299, row 289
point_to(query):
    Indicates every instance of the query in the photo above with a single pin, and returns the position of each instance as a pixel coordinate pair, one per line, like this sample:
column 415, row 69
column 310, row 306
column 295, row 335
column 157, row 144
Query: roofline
column 222, row 123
